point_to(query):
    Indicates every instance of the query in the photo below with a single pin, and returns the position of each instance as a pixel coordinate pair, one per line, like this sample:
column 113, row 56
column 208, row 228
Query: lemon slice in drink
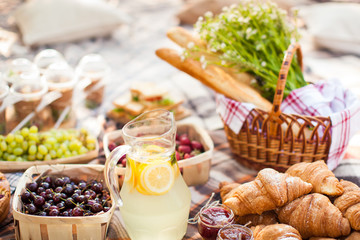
column 157, row 178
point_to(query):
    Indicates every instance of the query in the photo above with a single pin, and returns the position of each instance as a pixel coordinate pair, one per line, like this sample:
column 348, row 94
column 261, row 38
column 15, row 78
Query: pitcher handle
column 111, row 178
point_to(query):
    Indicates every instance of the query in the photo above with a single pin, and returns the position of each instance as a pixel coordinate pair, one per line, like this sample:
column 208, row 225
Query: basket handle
column 279, row 92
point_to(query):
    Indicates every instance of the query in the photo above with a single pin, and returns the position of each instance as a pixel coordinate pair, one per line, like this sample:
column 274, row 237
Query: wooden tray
column 12, row 166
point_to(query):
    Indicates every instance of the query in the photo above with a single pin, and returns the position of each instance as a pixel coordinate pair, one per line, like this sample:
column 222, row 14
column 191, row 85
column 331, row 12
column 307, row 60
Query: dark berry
column 59, row 182
column 97, row 187
column 58, row 189
column 69, row 190
column 66, row 180
column 57, row 198
column 61, row 205
column 30, row 208
column 45, row 185
column 82, row 185
column 32, row 186
column 25, row 197
column 42, row 213
column 77, row 211
column 39, row 201
column 54, row 212
column 40, row 190
column 96, row 207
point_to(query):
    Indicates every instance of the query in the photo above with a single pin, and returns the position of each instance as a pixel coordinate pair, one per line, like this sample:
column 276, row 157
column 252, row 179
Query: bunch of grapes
column 63, row 196
column 28, row 144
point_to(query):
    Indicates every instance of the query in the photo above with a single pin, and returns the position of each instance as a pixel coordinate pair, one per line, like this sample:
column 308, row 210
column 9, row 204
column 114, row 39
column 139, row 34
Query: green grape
column 1, row 153
column 51, row 140
column 31, row 142
column 74, row 153
column 32, row 149
column 47, row 157
column 25, row 132
column 83, row 150
column 25, row 146
column 67, row 154
column 10, row 138
column 33, row 129
column 18, row 151
column 2, row 138
column 59, row 153
column 19, row 159
column 3, row 146
column 11, row 157
column 6, row 156
column 39, row 156
column 90, row 139
column 31, row 157
column 12, row 144
column 33, row 137
column 90, row 146
column 64, row 147
column 42, row 149
column 10, row 149
column 52, row 153
column 48, row 146
column 75, row 145
column 19, row 138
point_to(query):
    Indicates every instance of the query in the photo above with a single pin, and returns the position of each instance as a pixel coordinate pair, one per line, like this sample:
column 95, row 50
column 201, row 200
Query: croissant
column 226, row 187
column 268, row 191
column 353, row 236
column 319, row 175
column 313, row 215
column 275, row 232
column 266, row 218
column 321, row 238
column 349, row 203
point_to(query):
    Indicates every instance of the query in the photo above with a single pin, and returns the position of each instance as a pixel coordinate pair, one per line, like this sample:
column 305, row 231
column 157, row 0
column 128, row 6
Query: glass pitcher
column 155, row 200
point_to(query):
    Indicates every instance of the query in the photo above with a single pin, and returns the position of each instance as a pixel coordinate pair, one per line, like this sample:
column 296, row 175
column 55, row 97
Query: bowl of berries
column 193, row 151
column 62, row 201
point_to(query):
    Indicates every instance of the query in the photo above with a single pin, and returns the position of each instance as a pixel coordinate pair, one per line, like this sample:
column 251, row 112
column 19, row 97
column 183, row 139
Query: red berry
column 184, row 140
column 197, row 145
column 177, row 155
column 184, row 149
column 112, row 146
column 186, row 156
column 123, row 162
column 177, row 137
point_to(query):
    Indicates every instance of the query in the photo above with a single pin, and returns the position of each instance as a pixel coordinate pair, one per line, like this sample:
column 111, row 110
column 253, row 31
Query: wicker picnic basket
column 278, row 140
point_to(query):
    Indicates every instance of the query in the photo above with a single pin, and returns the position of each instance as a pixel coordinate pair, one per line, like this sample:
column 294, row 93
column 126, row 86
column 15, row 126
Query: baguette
column 184, row 38
column 215, row 78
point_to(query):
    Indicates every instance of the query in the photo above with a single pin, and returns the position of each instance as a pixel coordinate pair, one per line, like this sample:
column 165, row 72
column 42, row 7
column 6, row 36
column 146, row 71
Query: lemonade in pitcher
column 155, row 200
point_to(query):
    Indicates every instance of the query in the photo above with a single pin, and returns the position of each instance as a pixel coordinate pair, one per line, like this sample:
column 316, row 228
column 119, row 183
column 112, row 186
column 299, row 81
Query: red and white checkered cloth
column 325, row 98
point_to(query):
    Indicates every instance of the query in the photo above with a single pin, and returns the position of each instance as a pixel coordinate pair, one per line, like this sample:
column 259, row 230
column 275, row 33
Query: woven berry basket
column 60, row 228
column 278, row 140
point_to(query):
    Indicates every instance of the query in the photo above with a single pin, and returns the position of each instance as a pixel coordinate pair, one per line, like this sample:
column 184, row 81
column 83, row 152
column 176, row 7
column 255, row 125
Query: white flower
column 190, row 45
column 263, row 63
column 202, row 59
column 263, row 36
column 208, row 14
column 222, row 45
column 223, row 62
column 248, row 30
column 225, row 9
column 203, row 65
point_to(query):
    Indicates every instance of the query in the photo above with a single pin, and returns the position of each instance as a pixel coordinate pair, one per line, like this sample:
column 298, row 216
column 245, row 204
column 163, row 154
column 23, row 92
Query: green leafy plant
column 250, row 37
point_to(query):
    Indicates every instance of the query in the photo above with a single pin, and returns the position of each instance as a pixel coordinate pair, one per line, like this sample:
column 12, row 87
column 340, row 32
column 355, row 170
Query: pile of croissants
column 305, row 202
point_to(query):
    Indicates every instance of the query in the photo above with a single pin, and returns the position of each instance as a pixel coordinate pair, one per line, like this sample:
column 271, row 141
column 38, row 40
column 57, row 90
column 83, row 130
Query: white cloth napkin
column 325, row 98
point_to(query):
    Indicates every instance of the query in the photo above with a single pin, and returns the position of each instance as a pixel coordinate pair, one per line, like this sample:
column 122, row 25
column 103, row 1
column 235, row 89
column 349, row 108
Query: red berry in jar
column 112, row 146
column 177, row 156
column 212, row 219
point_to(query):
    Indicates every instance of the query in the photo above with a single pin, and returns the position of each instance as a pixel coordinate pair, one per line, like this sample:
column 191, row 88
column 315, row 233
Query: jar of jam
column 212, row 218
column 235, row 232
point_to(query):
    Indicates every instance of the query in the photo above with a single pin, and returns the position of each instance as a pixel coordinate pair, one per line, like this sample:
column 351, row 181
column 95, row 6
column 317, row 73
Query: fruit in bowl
column 66, row 197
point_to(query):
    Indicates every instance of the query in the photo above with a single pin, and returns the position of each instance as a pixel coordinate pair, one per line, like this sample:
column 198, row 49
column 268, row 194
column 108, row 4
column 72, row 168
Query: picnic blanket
column 130, row 54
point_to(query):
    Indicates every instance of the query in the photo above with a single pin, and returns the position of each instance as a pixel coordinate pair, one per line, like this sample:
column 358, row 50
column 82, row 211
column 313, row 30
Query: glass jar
column 60, row 77
column 47, row 57
column 17, row 67
column 235, row 232
column 30, row 90
column 212, row 218
column 4, row 91
column 94, row 69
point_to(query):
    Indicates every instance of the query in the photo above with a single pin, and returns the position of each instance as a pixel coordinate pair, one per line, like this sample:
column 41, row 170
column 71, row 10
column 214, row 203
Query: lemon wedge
column 157, row 179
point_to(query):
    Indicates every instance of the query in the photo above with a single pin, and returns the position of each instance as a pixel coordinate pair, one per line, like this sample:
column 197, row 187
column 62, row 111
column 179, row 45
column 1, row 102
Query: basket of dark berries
column 62, row 201
column 194, row 149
